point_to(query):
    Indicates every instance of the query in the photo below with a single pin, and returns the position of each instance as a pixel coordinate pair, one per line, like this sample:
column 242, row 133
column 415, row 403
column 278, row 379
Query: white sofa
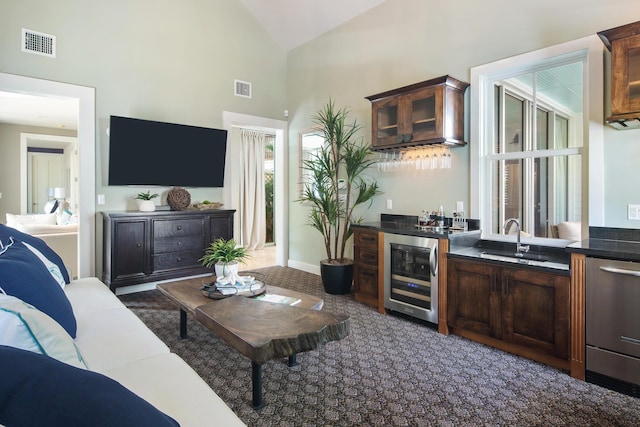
column 116, row 343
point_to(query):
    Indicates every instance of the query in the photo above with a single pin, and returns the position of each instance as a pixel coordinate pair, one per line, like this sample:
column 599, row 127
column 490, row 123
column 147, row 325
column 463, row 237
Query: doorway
column 234, row 123
column 85, row 97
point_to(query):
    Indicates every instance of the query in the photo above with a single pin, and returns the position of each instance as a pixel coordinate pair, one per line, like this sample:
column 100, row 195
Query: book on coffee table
column 279, row 299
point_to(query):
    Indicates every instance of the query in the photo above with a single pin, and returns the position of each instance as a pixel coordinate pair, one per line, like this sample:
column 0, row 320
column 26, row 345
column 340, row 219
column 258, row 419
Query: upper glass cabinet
column 624, row 44
column 430, row 112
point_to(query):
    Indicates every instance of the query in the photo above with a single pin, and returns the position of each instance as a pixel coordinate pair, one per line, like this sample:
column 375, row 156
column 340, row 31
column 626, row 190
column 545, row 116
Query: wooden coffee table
column 258, row 329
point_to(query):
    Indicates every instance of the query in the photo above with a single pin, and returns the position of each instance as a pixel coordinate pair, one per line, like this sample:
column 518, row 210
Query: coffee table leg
column 292, row 360
column 183, row 323
column 256, row 379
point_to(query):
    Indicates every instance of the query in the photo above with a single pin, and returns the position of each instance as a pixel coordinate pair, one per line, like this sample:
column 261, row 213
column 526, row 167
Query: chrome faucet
column 520, row 249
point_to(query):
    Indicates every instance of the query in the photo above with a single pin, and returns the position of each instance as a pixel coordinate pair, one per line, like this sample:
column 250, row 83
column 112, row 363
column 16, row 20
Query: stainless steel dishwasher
column 613, row 324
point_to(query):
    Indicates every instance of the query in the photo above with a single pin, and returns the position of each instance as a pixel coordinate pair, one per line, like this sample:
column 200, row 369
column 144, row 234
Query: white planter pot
column 146, row 205
column 223, row 269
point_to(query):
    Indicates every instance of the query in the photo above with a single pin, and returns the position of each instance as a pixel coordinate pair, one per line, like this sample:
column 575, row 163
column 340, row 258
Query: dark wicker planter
column 337, row 278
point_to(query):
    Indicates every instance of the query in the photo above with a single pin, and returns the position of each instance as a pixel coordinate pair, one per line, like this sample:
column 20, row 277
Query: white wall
column 406, row 41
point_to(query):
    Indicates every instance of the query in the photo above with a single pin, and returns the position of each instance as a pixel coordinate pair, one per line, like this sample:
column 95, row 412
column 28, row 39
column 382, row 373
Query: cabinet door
column 130, row 255
column 625, row 75
column 384, row 122
column 536, row 311
column 221, row 227
column 473, row 297
column 422, row 115
column 365, row 283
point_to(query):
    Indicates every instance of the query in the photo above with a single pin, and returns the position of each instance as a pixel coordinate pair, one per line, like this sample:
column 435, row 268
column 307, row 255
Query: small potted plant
column 145, row 201
column 224, row 255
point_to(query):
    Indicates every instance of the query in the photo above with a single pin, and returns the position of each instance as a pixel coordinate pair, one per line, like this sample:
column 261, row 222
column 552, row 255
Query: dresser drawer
column 366, row 238
column 178, row 244
column 178, row 227
column 177, row 260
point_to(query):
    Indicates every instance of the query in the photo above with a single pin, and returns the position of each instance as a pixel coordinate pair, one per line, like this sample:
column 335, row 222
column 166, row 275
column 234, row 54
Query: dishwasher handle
column 621, row 271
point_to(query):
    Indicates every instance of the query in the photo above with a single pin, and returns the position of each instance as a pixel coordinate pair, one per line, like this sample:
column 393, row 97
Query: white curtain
column 252, row 199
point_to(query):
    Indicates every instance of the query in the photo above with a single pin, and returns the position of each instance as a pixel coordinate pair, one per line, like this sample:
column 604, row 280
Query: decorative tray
column 251, row 286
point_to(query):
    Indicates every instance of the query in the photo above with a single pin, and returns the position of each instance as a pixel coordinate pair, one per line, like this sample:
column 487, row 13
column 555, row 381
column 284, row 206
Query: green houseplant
column 335, row 188
column 224, row 256
column 145, row 201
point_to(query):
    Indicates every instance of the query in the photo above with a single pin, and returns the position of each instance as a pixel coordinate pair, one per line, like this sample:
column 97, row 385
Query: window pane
column 561, row 133
column 514, row 123
column 542, row 130
column 506, row 199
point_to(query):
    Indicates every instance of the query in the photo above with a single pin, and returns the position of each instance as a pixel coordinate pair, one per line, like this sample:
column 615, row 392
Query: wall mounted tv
column 145, row 152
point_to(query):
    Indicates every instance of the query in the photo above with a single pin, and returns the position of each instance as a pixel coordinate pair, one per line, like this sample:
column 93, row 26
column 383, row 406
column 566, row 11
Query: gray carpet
column 390, row 371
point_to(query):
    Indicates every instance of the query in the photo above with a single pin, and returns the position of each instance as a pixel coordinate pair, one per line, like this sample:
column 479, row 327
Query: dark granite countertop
column 611, row 243
column 410, row 230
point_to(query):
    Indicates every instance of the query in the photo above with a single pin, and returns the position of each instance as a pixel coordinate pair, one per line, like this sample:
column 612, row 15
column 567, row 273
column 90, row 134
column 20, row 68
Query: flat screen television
column 145, row 152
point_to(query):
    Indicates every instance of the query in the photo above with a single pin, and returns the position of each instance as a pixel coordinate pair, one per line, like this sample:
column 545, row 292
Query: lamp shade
column 59, row 193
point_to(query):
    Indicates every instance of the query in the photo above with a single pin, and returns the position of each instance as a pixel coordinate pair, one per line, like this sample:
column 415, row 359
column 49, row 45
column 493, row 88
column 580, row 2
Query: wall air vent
column 38, row 43
column 242, row 89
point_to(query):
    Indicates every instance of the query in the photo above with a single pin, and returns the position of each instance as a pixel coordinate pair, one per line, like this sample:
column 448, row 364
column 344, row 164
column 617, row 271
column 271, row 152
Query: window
column 531, row 163
column 310, row 143
column 532, row 127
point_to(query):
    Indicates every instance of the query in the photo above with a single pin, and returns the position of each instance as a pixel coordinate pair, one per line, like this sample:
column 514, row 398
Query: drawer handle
column 629, row 340
column 506, row 285
column 368, row 256
column 621, row 271
column 178, row 259
column 179, row 227
column 494, row 287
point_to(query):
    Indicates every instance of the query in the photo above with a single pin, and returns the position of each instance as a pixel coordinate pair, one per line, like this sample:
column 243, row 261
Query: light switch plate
column 633, row 212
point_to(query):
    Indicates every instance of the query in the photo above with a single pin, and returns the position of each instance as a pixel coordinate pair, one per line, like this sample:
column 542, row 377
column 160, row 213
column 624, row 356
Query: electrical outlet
column 633, row 212
column 389, row 204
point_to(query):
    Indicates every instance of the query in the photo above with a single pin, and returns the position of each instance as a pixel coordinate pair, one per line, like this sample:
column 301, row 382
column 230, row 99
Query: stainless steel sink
column 527, row 260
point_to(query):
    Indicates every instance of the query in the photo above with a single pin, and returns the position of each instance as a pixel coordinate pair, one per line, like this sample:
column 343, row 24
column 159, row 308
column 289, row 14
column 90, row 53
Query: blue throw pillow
column 24, row 276
column 39, row 244
column 37, row 390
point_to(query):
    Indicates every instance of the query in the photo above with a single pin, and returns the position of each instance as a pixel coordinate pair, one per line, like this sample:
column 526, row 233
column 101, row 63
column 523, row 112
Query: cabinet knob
column 179, row 243
column 178, row 259
column 138, row 245
column 179, row 227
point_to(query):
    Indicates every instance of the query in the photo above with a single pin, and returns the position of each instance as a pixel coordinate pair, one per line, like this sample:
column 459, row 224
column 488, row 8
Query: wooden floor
column 261, row 258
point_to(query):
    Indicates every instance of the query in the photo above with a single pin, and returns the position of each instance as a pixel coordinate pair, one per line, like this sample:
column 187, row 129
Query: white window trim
column 589, row 49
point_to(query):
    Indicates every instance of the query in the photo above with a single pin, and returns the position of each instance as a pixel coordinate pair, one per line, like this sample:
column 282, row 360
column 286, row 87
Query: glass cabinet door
column 425, row 122
column 385, row 123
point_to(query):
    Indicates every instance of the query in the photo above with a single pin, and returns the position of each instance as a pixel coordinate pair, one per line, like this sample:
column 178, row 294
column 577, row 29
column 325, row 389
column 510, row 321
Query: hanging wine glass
column 426, row 160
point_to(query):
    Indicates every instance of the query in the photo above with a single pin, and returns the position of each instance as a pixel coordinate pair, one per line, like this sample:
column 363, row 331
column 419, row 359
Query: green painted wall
column 406, row 41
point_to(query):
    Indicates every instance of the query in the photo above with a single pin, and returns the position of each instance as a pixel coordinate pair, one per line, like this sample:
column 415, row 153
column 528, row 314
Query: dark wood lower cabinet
column 366, row 267
column 521, row 310
column 141, row 247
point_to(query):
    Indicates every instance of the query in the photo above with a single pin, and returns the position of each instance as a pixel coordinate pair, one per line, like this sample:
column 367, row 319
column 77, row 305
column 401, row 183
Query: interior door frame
column 233, row 122
column 85, row 96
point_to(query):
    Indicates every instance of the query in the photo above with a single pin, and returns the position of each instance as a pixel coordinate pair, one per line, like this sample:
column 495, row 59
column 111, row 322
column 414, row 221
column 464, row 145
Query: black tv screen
column 145, row 152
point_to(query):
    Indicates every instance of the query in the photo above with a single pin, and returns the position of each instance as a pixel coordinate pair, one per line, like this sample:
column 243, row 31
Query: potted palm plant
column 224, row 256
column 335, row 188
column 145, row 201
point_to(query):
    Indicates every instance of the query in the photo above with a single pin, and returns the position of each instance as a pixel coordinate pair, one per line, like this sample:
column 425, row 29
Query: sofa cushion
column 569, row 230
column 115, row 337
column 23, row 326
column 8, row 232
column 53, row 269
column 178, row 392
column 24, row 276
column 37, row 390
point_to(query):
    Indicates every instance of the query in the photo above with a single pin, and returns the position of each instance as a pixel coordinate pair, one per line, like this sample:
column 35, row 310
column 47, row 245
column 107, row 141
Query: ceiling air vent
column 38, row 43
column 242, row 89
